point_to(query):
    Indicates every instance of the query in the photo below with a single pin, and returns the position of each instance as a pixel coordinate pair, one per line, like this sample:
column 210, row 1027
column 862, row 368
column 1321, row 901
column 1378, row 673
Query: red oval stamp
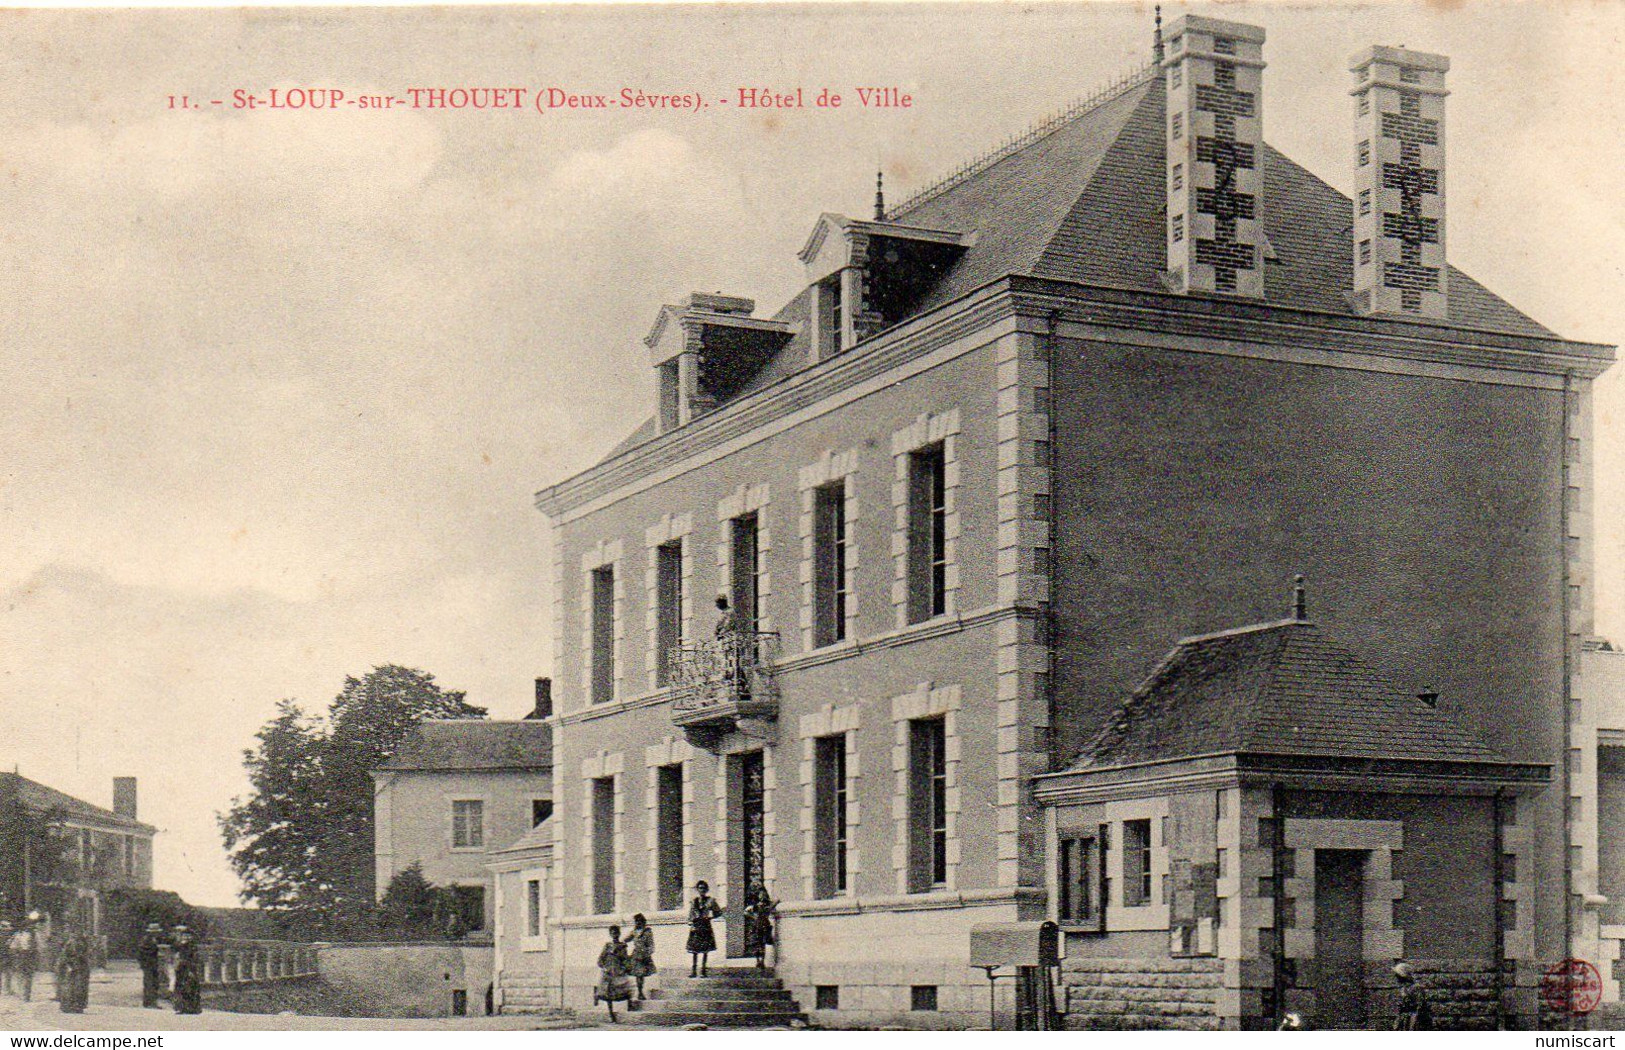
column 1573, row 986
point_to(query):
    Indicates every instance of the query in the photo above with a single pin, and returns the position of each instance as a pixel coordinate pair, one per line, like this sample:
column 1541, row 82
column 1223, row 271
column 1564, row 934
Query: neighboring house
column 455, row 789
column 97, row 851
column 1106, row 388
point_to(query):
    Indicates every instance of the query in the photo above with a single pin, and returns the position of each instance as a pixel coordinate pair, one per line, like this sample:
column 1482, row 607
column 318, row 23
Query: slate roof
column 1277, row 689
column 1083, row 201
column 538, row 837
column 469, row 744
column 42, row 799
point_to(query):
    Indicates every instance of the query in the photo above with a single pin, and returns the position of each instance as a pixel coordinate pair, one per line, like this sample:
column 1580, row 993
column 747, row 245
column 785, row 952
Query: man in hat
column 25, row 955
column 149, row 952
column 1414, row 1013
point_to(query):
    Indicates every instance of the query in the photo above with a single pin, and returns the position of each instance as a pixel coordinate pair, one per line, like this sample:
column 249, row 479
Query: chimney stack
column 544, row 699
column 124, row 797
column 1399, row 229
column 1214, row 74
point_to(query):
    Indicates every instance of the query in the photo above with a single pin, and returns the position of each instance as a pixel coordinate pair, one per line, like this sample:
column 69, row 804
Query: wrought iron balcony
column 725, row 685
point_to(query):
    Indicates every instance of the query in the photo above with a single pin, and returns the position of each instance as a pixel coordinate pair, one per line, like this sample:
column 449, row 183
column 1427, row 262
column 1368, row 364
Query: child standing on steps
column 640, row 951
column 702, row 937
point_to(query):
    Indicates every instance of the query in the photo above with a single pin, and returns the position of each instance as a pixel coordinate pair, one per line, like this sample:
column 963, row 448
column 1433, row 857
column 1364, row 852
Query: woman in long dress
column 702, row 938
column 188, row 996
column 73, row 973
column 640, row 945
column 613, row 986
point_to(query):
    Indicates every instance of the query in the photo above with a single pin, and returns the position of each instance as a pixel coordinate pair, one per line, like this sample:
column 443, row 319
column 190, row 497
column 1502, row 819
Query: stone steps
column 726, row 998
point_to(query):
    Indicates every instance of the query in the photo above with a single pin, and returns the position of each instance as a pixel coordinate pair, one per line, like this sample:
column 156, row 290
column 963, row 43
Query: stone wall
column 1141, row 993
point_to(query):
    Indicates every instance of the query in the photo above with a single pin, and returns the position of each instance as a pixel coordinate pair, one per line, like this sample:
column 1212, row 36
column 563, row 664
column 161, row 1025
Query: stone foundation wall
column 1142, row 993
column 1460, row 992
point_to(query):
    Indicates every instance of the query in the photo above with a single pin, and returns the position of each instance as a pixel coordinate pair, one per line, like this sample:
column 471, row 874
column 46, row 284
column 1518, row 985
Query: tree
column 408, row 905
column 302, row 840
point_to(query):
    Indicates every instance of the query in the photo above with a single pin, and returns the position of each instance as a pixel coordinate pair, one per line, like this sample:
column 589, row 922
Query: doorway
column 1340, row 938
column 748, row 860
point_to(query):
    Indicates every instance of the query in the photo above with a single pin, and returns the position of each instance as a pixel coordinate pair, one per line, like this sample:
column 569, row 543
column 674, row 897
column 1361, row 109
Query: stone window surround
column 527, row 942
column 747, row 499
column 828, row 469
column 671, row 528
column 926, row 430
column 925, row 702
column 451, row 822
column 671, row 751
column 740, row 744
column 1156, row 913
column 830, row 721
column 611, row 764
column 611, row 554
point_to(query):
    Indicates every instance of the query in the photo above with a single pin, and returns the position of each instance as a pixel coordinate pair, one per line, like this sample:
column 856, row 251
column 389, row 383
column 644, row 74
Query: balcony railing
column 718, row 684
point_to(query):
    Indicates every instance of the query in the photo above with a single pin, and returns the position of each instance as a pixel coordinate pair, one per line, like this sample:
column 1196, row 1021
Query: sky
column 277, row 387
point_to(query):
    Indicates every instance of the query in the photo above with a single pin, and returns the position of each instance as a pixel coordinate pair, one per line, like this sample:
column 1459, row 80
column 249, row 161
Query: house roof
column 42, row 799
column 1277, row 689
column 467, row 744
column 538, row 837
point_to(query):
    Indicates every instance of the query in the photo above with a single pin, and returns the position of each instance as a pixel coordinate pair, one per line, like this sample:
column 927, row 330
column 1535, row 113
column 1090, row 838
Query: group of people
column 624, row 963
column 22, row 947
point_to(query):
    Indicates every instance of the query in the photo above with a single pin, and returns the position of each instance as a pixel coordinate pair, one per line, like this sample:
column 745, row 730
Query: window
column 829, row 316
column 1365, row 253
column 603, row 634
column 129, row 854
column 468, row 904
column 827, row 997
column 1410, row 76
column 468, row 824
column 668, row 608
column 669, row 837
column 1364, row 152
column 1078, row 881
column 540, row 810
column 1179, row 176
column 1179, row 228
column 1136, row 863
column 533, row 907
column 1365, row 202
column 927, row 533
column 1224, row 45
column 928, row 804
column 1177, row 125
column 829, row 815
column 829, row 564
column 922, row 997
column 603, row 845
column 747, row 572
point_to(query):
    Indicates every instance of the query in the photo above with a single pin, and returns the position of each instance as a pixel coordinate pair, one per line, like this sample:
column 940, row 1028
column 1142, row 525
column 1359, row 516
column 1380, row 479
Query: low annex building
column 1018, row 435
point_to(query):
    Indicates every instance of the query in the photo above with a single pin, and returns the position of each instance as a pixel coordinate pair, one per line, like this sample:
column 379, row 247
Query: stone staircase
column 731, row 997
column 528, row 994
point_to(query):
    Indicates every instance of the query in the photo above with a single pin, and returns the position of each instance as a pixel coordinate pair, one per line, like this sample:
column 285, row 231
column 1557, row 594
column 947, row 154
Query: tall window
column 928, row 804
column 603, row 634
column 669, row 837
column 1136, row 862
column 468, row 824
column 603, row 845
column 747, row 572
column 668, row 608
column 533, row 907
column 829, row 563
column 1078, row 880
column 927, row 533
column 829, row 810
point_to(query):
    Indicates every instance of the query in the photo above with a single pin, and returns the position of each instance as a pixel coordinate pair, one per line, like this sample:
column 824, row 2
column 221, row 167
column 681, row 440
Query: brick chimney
column 1399, row 228
column 544, row 699
column 124, row 797
column 1214, row 74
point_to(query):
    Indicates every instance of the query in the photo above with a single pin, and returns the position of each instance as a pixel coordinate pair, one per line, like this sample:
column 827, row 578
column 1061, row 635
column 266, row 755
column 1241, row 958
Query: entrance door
column 1340, row 938
column 749, row 865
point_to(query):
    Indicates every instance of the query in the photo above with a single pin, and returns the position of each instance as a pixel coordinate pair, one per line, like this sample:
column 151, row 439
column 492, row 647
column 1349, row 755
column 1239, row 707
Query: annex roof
column 474, row 744
column 43, row 799
column 1277, row 689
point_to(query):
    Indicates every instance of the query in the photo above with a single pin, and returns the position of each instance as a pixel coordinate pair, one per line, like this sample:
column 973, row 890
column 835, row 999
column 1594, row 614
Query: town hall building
column 1007, row 505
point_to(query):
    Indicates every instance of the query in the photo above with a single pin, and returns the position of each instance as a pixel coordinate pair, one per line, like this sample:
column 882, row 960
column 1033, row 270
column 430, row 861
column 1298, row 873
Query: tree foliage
column 410, row 905
column 301, row 841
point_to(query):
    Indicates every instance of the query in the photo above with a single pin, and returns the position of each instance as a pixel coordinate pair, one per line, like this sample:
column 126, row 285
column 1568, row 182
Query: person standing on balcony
column 702, row 937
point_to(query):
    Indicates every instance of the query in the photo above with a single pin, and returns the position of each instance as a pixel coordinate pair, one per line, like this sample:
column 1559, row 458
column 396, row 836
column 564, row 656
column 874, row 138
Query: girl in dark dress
column 73, row 973
column 640, row 944
column 188, row 997
column 760, row 911
column 613, row 986
column 702, row 938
